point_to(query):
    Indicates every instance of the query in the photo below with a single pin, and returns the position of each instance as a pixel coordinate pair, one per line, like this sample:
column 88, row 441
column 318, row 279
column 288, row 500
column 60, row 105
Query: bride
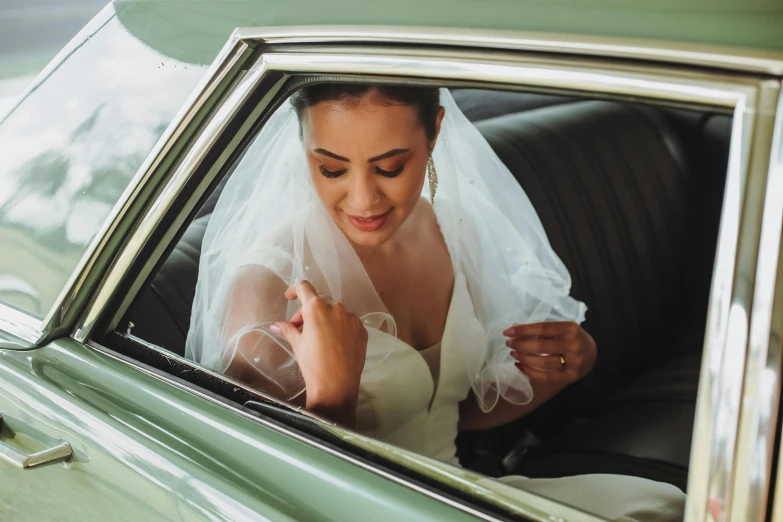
column 373, row 260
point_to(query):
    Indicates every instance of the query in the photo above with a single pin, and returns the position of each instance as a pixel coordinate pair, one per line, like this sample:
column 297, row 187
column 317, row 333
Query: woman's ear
column 438, row 121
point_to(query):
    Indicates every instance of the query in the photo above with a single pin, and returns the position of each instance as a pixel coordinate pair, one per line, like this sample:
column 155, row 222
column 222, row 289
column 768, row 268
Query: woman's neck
column 384, row 252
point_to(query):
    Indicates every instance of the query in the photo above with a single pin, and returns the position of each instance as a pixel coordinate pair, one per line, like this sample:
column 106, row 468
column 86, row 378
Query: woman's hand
column 330, row 345
column 538, row 349
column 556, row 352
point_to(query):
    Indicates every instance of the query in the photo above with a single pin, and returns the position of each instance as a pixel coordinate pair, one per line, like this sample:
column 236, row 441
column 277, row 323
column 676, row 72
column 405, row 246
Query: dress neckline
column 430, row 348
column 458, row 280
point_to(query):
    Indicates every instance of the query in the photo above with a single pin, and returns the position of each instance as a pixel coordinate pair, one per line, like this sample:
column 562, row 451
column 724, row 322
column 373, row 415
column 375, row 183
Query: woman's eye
column 389, row 174
column 331, row 173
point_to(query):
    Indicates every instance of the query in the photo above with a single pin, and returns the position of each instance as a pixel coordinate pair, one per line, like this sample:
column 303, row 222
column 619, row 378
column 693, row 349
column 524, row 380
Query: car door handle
column 61, row 452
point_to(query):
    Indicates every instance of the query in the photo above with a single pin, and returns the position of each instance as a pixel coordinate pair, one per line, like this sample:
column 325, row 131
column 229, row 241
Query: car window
column 70, row 148
column 613, row 184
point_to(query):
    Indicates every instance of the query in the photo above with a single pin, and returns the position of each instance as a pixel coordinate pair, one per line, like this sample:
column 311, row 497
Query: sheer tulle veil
column 269, row 229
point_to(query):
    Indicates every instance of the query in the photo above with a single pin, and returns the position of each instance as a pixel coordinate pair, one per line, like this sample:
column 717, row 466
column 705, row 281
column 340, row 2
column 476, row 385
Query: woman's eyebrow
column 385, row 155
column 331, row 155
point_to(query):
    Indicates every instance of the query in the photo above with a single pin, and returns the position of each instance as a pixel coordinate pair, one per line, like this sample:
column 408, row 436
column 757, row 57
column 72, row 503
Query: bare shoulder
column 263, row 269
column 425, row 220
column 429, row 232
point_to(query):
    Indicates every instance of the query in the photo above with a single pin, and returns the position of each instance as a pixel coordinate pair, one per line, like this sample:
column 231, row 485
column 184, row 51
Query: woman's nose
column 364, row 192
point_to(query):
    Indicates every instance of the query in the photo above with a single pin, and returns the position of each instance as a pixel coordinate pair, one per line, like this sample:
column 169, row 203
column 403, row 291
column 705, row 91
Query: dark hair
column 425, row 100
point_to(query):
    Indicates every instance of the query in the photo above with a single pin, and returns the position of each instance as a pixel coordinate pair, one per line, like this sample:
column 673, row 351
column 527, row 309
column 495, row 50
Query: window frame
column 746, row 88
column 760, row 424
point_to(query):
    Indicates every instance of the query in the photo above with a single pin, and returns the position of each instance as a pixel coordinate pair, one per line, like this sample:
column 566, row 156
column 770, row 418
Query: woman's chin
column 368, row 239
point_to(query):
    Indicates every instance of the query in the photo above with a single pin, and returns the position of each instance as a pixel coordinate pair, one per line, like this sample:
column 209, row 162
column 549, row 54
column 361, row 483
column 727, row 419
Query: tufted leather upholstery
column 630, row 198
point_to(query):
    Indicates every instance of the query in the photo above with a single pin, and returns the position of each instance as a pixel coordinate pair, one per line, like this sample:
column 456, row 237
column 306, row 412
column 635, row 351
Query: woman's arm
column 256, row 297
column 552, row 355
column 329, row 343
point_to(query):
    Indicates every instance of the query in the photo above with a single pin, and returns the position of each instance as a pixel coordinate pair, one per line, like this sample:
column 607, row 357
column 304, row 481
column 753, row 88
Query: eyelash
column 388, row 174
column 331, row 174
column 337, row 173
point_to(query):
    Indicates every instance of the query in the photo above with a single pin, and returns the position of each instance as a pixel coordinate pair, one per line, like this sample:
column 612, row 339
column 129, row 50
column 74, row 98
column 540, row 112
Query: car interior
column 630, row 196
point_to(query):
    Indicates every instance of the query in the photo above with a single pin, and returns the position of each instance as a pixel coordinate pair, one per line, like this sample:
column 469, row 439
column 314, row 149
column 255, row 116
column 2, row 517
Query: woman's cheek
column 400, row 191
column 413, row 187
column 328, row 193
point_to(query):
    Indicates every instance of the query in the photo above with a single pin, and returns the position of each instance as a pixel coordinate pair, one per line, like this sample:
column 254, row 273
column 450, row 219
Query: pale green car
column 650, row 140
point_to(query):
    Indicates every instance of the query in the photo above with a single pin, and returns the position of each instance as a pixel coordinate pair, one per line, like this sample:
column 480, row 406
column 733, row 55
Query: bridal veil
column 269, row 230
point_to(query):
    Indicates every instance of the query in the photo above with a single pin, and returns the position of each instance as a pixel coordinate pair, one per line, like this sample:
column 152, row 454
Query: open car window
column 630, row 190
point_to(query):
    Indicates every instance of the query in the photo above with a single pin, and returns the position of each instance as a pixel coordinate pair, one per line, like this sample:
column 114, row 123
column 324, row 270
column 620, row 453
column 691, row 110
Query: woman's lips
column 368, row 224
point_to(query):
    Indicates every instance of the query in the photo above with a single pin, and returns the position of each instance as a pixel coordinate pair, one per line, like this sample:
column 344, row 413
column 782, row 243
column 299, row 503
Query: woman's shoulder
column 424, row 222
column 270, row 254
column 276, row 248
column 446, row 227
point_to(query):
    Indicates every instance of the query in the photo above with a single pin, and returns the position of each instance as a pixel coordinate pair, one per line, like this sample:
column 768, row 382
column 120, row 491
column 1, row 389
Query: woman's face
column 367, row 161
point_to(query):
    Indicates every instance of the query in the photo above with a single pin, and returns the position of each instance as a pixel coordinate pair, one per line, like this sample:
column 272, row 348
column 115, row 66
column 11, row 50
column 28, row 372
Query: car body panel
column 145, row 450
column 32, row 32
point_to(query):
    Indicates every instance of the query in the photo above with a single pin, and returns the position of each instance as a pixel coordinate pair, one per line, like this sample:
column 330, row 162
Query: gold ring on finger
column 562, row 363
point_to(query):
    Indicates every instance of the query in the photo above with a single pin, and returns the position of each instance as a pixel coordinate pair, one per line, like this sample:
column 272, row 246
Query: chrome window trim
column 767, row 419
column 238, row 384
column 713, row 458
column 63, row 312
column 758, row 421
column 482, row 69
column 728, row 58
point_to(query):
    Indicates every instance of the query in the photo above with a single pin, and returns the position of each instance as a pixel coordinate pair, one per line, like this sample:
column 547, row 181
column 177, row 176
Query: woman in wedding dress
column 373, row 260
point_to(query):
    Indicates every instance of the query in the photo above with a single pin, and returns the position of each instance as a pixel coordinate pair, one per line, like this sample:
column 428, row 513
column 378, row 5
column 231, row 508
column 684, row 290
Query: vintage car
column 649, row 139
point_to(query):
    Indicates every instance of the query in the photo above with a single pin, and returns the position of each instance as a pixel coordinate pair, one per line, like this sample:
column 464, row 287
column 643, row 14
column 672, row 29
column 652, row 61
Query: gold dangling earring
column 433, row 175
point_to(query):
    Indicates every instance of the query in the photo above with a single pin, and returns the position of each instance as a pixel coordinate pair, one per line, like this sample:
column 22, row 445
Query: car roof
column 194, row 30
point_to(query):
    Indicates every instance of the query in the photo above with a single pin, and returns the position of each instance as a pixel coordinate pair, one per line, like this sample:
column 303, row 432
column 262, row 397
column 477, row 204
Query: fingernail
column 510, row 343
column 275, row 328
column 508, row 332
column 514, row 355
column 520, row 366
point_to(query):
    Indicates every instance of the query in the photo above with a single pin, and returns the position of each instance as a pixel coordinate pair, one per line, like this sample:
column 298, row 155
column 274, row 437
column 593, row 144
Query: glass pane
column 70, row 149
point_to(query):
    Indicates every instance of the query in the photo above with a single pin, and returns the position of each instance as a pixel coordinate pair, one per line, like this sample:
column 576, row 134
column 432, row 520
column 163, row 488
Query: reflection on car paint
column 71, row 147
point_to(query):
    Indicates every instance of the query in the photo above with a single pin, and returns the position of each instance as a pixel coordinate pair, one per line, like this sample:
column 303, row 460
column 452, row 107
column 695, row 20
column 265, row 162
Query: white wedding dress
column 412, row 401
